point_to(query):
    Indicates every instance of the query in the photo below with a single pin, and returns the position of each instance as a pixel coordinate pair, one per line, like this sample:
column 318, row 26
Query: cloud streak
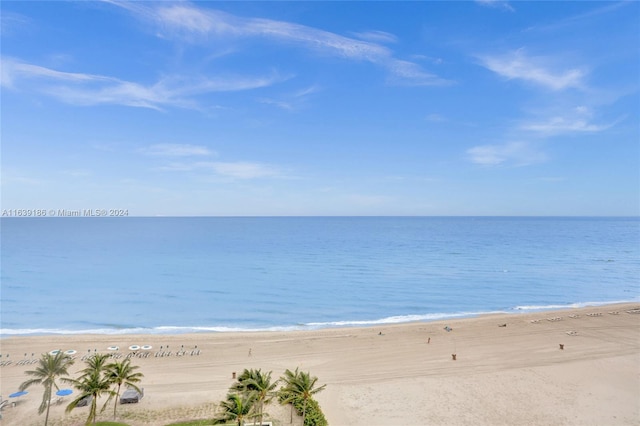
column 518, row 66
column 92, row 89
column 376, row 36
column 10, row 22
column 574, row 120
column 499, row 4
column 176, row 150
column 245, row 170
column 242, row 170
column 293, row 101
column 562, row 87
column 559, row 125
column 194, row 24
column 512, row 154
column 197, row 25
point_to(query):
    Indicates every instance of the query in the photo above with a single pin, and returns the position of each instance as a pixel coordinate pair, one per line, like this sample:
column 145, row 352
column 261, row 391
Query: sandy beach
column 509, row 370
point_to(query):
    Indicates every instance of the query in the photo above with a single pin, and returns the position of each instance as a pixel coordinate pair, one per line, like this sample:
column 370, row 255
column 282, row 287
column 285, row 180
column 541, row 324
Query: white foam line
column 304, row 326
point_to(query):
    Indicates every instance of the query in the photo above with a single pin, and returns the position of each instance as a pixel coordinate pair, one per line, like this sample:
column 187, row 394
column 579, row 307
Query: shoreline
column 308, row 327
column 511, row 374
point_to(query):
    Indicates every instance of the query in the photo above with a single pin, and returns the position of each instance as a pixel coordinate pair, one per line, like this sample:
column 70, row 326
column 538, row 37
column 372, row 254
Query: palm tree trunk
column 94, row 406
column 115, row 405
column 46, row 417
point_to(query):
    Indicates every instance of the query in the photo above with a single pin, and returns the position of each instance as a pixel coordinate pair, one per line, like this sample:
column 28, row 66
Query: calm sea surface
column 173, row 275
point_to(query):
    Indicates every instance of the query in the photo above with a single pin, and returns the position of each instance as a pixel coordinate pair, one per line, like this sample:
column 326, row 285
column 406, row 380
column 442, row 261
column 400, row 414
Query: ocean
column 217, row 274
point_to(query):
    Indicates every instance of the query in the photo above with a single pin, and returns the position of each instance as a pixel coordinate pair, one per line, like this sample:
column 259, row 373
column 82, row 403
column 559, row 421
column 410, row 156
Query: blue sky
column 322, row 108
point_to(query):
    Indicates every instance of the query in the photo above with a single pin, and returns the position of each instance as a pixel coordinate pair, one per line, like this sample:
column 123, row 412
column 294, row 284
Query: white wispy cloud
column 192, row 23
column 518, row 65
column 558, row 125
column 176, row 150
column 376, row 36
column 182, row 167
column 499, row 4
column 189, row 19
column 91, row 89
column 306, row 91
column 245, row 170
column 583, row 16
column 410, row 73
column 280, row 103
column 235, row 170
column 508, row 154
column 574, row 120
column 293, row 101
column 430, row 59
column 11, row 22
column 577, row 120
column 14, row 70
column 238, row 170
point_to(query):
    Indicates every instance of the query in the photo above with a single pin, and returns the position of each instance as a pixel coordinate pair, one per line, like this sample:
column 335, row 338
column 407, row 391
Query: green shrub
column 314, row 415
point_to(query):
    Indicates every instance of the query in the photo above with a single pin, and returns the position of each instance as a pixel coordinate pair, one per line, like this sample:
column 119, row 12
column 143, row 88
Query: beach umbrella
column 18, row 394
column 113, row 348
column 70, row 352
column 64, row 392
column 54, row 352
column 146, row 347
column 134, row 347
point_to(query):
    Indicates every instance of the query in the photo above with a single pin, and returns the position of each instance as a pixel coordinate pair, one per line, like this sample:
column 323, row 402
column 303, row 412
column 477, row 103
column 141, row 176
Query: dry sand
column 513, row 375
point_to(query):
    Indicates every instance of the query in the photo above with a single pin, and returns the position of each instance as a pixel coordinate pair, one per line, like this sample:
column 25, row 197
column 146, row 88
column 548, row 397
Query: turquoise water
column 172, row 275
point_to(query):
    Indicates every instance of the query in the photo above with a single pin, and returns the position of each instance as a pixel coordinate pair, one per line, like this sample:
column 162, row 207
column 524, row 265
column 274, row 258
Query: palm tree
column 122, row 373
column 236, row 408
column 302, row 387
column 50, row 367
column 286, row 396
column 91, row 384
column 97, row 362
column 260, row 384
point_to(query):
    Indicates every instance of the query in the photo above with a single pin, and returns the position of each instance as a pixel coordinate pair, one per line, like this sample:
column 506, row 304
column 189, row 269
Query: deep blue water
column 111, row 275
